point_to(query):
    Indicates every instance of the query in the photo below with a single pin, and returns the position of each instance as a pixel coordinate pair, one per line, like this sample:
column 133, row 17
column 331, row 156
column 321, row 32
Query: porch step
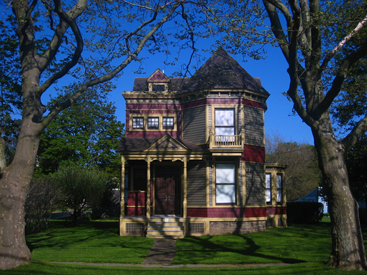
column 159, row 228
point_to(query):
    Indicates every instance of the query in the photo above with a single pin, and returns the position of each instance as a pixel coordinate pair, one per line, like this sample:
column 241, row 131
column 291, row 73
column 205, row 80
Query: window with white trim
column 268, row 188
column 225, row 177
column 153, row 122
column 168, row 123
column 138, row 122
column 224, row 124
column 279, row 188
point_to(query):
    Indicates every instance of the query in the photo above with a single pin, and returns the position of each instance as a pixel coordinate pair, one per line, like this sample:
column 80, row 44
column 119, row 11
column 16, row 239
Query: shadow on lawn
column 60, row 236
column 209, row 248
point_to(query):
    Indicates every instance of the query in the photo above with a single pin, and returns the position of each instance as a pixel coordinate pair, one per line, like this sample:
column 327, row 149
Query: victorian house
column 193, row 156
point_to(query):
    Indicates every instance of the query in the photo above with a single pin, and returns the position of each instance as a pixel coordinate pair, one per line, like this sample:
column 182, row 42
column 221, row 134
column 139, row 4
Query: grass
column 303, row 250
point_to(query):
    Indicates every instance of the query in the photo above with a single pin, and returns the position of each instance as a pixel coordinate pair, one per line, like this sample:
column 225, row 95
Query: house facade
column 193, row 155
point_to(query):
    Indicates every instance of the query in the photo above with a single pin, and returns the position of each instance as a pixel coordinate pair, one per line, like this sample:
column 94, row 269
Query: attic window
column 159, row 87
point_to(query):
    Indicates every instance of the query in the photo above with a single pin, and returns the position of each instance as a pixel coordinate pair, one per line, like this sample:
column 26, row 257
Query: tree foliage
column 86, row 133
column 302, row 174
column 80, row 188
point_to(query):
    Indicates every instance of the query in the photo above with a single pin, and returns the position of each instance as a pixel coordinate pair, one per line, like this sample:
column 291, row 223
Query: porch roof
column 141, row 144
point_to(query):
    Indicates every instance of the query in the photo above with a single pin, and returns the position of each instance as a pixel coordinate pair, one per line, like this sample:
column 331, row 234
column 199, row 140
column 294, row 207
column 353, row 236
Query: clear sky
column 274, row 78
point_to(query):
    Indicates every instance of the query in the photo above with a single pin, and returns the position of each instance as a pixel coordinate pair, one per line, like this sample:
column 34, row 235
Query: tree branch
column 350, row 140
column 342, row 43
column 45, row 60
column 338, row 81
column 109, row 76
column 78, row 50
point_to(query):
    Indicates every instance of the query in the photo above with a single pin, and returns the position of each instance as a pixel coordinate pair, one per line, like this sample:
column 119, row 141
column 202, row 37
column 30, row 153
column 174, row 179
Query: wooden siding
column 196, row 183
column 255, row 184
column 254, row 126
column 194, row 125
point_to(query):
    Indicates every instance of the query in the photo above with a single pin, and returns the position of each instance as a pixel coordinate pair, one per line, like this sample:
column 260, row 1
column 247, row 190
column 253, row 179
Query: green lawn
column 299, row 249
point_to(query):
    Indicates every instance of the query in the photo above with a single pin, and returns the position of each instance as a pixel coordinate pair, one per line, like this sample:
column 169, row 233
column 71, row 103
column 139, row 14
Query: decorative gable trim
column 167, row 143
column 158, row 77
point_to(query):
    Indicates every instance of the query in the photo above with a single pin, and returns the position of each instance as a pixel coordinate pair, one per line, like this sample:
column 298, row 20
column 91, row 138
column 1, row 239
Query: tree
column 85, row 133
column 84, row 44
column 302, row 174
column 79, row 188
column 322, row 42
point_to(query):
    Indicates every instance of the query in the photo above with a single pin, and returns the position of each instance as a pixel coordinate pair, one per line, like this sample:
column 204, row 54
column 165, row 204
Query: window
column 279, row 188
column 158, row 87
column 224, row 124
column 225, row 175
column 138, row 122
column 268, row 188
column 168, row 123
column 153, row 122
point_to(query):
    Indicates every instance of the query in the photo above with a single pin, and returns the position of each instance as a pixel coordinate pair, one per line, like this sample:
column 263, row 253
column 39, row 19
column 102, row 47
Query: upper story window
column 153, row 122
column 138, row 123
column 268, row 188
column 168, row 123
column 158, row 87
column 224, row 122
column 225, row 179
column 279, row 188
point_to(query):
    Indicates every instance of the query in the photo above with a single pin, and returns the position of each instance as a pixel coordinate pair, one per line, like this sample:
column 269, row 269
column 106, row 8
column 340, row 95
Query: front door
column 167, row 190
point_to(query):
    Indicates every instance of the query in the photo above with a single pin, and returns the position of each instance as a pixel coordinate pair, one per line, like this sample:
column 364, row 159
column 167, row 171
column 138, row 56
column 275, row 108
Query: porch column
column 185, row 188
column 148, row 188
column 122, row 188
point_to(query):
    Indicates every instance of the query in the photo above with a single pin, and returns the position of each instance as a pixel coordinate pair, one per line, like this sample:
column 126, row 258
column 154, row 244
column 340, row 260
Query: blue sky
column 274, row 78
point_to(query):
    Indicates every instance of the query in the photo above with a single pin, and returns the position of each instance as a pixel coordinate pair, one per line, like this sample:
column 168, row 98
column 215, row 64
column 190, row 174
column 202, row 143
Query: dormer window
column 159, row 87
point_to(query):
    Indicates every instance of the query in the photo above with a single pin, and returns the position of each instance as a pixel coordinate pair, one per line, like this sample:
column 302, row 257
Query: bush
column 304, row 212
column 81, row 188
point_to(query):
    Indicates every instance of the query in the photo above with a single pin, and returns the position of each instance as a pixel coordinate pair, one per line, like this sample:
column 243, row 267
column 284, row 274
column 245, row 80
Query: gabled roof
column 142, row 144
column 221, row 71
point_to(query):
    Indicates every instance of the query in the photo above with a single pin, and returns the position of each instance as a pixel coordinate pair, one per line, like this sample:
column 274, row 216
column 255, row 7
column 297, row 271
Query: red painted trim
column 153, row 106
column 253, row 153
column 150, row 134
column 193, row 103
column 277, row 210
column 230, row 212
column 223, row 101
column 253, row 104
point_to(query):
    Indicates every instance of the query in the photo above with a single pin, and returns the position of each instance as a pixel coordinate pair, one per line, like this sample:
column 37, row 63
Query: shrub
column 304, row 212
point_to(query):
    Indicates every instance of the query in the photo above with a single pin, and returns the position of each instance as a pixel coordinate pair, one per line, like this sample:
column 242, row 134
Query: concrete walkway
column 162, row 252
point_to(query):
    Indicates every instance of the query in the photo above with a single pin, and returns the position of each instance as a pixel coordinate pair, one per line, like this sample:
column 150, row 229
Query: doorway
column 167, row 190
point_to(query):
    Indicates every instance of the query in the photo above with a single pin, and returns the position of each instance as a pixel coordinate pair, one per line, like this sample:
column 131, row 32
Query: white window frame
column 225, row 183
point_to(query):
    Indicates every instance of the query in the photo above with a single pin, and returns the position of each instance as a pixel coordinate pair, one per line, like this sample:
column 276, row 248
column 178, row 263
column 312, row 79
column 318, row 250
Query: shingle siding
column 196, row 183
column 254, row 126
column 255, row 184
column 194, row 125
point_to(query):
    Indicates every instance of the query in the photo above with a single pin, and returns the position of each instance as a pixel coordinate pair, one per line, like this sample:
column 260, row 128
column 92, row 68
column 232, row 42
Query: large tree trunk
column 347, row 242
column 14, row 184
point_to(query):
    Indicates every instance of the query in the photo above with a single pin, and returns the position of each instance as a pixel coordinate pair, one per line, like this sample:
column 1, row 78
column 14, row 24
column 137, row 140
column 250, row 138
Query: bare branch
column 109, row 76
column 342, row 43
column 78, row 50
column 56, row 41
